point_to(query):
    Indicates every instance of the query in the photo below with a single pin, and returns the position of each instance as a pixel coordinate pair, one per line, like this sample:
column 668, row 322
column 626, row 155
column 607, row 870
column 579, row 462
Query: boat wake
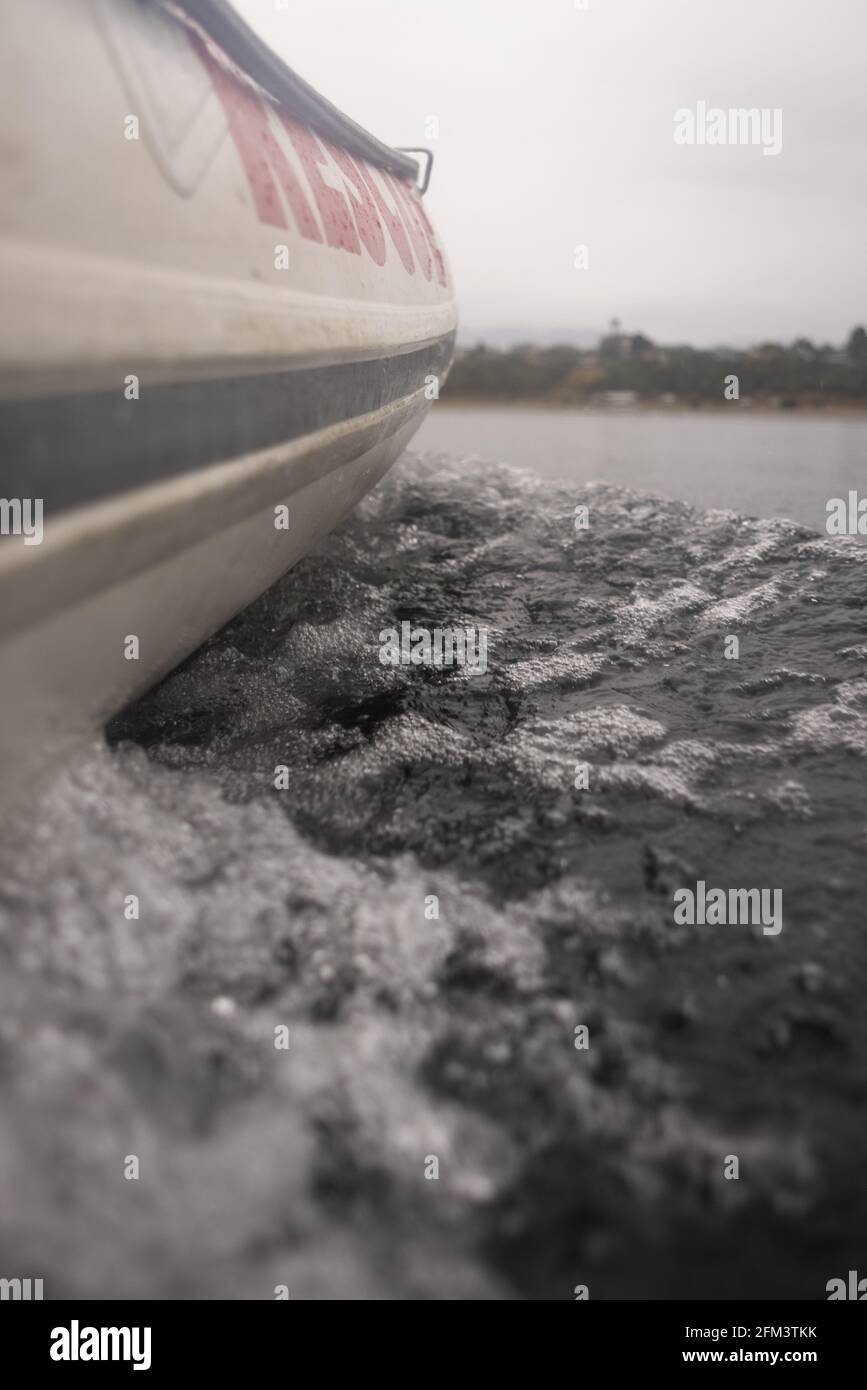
column 433, row 877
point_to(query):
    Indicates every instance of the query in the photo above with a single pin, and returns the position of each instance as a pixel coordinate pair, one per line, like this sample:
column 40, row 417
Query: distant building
column 620, row 400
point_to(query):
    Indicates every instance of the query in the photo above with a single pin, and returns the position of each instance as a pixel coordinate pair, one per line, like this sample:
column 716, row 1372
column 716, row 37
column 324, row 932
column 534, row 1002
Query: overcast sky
column 556, row 128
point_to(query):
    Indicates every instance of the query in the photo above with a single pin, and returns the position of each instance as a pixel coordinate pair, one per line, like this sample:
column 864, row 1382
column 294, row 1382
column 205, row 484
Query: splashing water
column 414, row 1036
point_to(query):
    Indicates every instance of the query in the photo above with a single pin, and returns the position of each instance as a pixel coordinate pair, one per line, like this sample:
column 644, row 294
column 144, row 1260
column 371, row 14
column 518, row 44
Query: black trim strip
column 70, row 450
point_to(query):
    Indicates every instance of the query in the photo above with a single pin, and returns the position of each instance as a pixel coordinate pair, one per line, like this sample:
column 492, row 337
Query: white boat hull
column 215, row 338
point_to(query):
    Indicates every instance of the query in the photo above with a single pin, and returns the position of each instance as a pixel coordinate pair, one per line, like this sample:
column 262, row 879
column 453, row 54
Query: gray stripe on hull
column 72, row 450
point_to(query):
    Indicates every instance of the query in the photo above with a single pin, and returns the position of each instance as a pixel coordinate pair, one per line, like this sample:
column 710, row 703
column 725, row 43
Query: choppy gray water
column 453, row 1038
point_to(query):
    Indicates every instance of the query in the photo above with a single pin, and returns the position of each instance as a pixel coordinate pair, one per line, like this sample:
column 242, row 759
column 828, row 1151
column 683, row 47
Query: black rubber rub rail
column 75, row 449
column 252, row 54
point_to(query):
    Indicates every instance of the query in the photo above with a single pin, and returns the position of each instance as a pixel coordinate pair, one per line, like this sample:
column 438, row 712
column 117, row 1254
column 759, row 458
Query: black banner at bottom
column 159, row 1339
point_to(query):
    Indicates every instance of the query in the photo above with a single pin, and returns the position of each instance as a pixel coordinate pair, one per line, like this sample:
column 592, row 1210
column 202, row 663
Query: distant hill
column 626, row 368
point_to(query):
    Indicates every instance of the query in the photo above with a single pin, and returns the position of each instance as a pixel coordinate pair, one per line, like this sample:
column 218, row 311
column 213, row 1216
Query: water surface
column 416, row 1037
column 786, row 463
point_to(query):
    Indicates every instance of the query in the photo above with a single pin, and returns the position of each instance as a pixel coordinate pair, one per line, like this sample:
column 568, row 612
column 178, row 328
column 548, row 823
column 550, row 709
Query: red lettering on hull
column 260, row 154
column 413, row 226
column 391, row 220
column 351, row 218
column 363, row 208
column 333, row 208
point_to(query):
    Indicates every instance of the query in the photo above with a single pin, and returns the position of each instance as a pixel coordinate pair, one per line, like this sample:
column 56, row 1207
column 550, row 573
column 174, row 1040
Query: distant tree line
column 802, row 373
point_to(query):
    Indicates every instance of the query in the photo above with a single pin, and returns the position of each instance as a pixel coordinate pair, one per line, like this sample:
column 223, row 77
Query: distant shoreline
column 650, row 407
column 627, row 371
